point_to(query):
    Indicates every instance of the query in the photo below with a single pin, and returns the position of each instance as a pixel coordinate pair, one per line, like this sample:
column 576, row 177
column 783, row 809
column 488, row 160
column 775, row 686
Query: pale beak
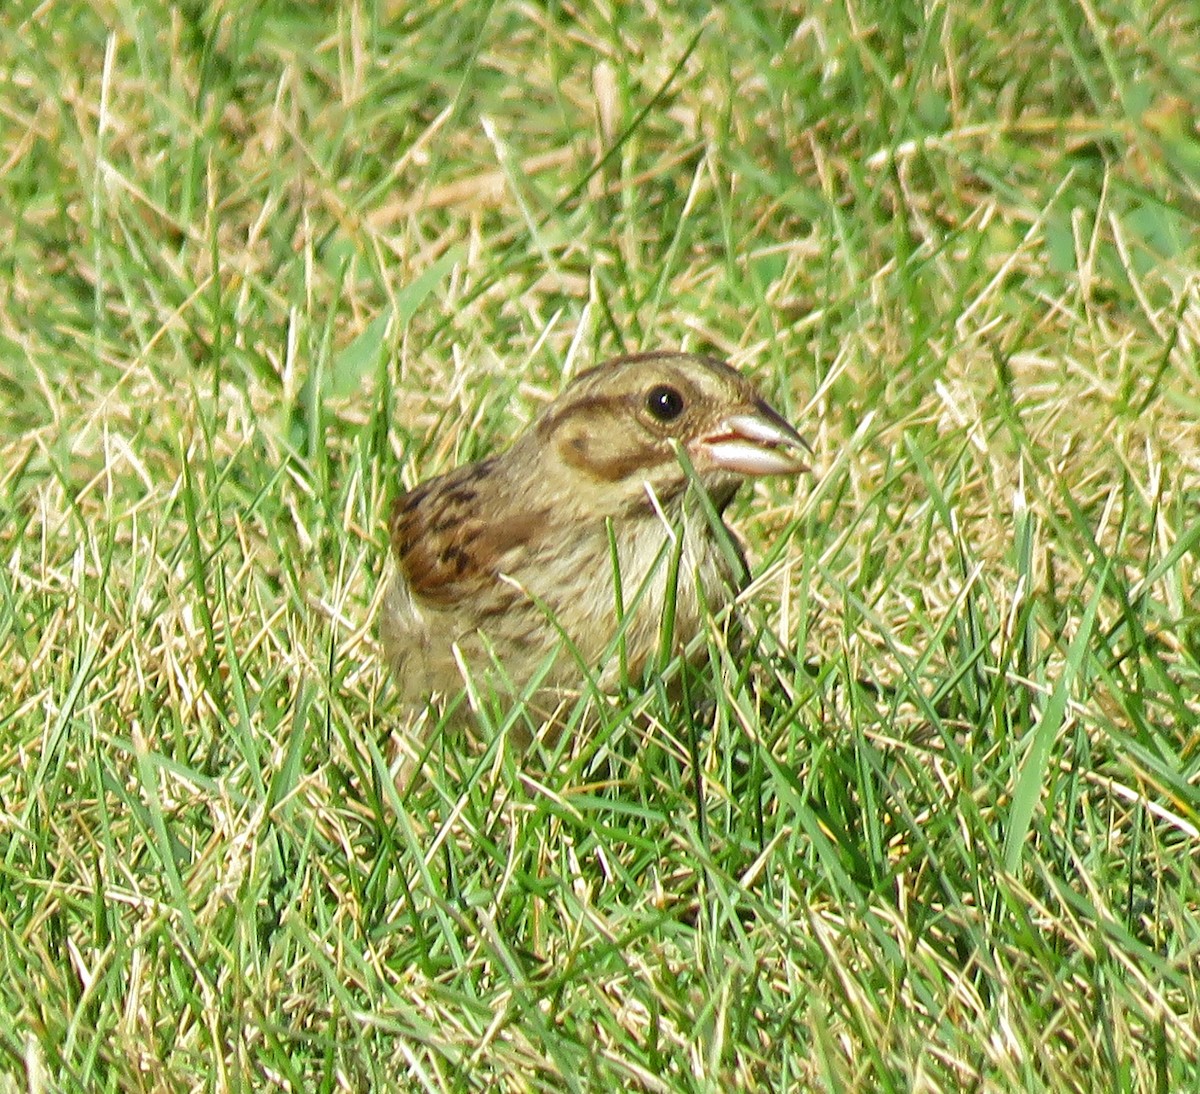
column 759, row 443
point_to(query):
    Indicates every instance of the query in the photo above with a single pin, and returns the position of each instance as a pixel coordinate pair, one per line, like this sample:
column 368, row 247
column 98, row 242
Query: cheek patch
column 606, row 453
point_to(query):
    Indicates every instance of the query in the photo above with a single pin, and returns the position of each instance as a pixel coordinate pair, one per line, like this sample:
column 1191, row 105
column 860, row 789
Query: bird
column 571, row 553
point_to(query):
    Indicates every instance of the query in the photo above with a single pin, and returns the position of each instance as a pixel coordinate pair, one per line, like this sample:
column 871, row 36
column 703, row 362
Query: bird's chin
column 721, row 487
column 669, row 495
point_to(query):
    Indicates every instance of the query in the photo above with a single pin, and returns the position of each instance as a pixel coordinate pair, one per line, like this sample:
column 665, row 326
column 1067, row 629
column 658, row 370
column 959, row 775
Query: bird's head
column 619, row 428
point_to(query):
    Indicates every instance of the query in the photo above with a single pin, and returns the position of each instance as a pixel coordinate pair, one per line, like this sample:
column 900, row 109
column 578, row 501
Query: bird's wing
column 451, row 544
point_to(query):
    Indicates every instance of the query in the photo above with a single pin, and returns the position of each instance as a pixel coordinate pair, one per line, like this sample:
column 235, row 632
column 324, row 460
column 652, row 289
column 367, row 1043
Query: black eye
column 664, row 403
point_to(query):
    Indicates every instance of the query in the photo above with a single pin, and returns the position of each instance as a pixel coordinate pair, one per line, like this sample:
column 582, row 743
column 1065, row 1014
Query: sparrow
column 571, row 553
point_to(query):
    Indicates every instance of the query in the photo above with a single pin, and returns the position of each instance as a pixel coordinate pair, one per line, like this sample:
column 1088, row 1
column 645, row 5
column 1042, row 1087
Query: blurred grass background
column 261, row 264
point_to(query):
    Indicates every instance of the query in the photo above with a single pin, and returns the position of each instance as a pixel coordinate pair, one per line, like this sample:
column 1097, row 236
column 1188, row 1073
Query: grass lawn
column 262, row 264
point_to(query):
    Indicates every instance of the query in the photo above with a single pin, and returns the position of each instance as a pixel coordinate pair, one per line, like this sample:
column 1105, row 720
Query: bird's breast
column 596, row 596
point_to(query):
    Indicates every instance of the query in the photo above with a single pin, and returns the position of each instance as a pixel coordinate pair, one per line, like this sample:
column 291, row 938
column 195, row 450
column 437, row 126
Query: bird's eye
column 664, row 403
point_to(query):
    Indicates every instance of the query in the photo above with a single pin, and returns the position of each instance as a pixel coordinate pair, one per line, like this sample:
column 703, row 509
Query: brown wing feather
column 446, row 548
